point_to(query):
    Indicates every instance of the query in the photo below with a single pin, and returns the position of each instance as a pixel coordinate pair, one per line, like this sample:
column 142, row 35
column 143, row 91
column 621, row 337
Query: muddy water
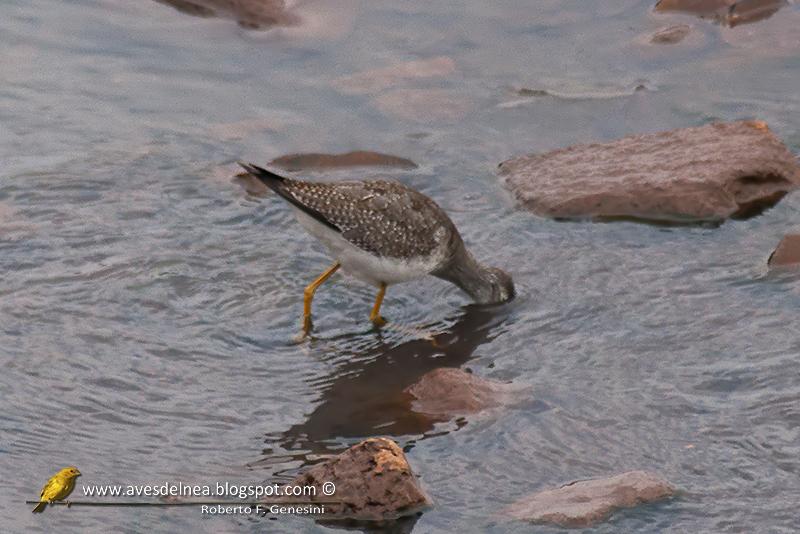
column 147, row 304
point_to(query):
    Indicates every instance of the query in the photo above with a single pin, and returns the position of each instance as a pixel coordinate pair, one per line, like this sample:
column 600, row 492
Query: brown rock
column 702, row 174
column 373, row 483
column 254, row 14
column 360, row 158
column 375, row 80
column 747, row 11
column 449, row 391
column 671, row 35
column 701, row 8
column 422, row 105
column 587, row 502
column 788, row 252
column 730, row 12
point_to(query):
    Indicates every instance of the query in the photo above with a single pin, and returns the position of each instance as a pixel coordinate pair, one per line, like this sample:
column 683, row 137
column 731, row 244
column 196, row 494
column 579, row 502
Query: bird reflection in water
column 364, row 396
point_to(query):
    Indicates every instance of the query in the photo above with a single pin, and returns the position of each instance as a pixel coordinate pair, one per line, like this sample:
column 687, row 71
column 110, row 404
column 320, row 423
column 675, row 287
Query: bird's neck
column 469, row 275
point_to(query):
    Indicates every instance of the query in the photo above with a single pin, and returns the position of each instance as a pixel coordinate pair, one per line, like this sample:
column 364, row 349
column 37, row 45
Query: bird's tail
column 270, row 179
column 282, row 186
column 40, row 507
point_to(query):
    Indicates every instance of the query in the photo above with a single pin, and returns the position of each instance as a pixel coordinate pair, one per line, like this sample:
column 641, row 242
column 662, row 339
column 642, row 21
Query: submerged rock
column 373, row 482
column 587, row 502
column 578, row 92
column 254, row 14
column 375, row 80
column 702, row 174
column 671, row 35
column 788, row 252
column 423, row 105
column 359, row 158
column 448, row 391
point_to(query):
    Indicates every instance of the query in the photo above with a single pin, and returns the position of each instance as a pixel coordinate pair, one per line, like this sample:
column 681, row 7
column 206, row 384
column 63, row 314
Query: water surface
column 147, row 304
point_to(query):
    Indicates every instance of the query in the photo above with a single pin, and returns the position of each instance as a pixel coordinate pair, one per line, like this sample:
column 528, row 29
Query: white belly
column 360, row 263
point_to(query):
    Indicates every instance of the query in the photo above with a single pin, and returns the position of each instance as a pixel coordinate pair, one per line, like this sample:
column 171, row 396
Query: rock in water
column 359, row 158
column 702, row 174
column 587, row 502
column 748, row 11
column 700, row 8
column 253, row 14
column 373, row 81
column 729, row 12
column 447, row 391
column 788, row 252
column 671, row 35
column 373, row 483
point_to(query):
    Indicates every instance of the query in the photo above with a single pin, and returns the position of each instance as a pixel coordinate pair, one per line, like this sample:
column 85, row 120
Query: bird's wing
column 384, row 218
column 47, row 490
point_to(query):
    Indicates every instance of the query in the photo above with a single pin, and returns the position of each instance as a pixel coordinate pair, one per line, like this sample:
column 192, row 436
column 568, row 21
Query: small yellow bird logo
column 57, row 488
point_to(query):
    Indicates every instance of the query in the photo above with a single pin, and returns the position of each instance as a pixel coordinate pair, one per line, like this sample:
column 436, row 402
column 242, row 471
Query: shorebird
column 384, row 233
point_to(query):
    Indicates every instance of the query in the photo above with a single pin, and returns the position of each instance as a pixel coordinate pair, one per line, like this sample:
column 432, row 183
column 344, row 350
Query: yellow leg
column 375, row 316
column 308, row 295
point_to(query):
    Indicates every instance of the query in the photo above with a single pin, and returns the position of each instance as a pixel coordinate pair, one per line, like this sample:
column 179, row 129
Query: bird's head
column 70, row 472
column 500, row 287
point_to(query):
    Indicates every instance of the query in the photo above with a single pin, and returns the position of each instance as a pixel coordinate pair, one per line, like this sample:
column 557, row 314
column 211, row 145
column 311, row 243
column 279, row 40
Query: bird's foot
column 378, row 321
column 307, row 327
column 69, row 504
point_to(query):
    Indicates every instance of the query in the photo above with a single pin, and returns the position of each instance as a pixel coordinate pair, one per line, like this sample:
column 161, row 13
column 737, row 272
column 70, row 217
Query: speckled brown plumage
column 385, row 232
column 384, row 218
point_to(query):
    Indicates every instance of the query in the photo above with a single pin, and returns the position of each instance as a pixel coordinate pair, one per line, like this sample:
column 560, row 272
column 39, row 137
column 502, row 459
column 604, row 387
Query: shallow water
column 148, row 304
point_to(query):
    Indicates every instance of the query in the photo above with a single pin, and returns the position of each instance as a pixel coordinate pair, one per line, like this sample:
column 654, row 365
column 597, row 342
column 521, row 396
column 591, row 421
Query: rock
column 422, row 105
column 671, row 34
column 788, row 252
column 702, row 174
column 360, row 158
column 450, row 391
column 254, row 14
column 700, row 8
column 587, row 502
column 576, row 91
column 747, row 11
column 585, row 92
column 372, row 81
column 729, row 12
column 373, row 482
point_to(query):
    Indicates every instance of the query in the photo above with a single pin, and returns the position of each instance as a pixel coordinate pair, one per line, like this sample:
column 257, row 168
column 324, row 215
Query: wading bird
column 384, row 233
